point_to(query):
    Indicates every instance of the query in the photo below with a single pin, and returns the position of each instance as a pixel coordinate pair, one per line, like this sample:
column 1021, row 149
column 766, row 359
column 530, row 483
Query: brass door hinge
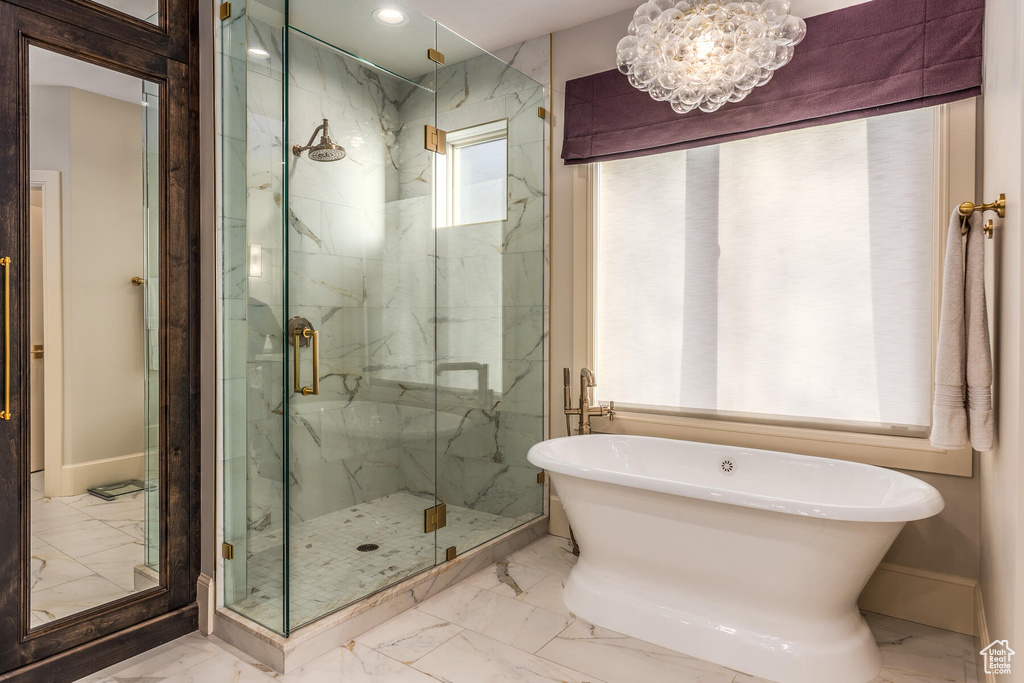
column 450, row 554
column 435, row 518
column 435, row 140
column 435, row 56
column 540, row 477
column 37, row 350
column 225, row 11
column 542, row 112
column 227, row 551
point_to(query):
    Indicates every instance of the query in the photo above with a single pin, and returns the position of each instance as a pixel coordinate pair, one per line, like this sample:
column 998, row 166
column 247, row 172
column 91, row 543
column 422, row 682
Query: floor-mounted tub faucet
column 586, row 409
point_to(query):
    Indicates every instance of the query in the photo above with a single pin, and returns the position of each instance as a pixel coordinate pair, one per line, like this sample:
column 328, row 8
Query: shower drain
column 367, row 547
column 727, row 465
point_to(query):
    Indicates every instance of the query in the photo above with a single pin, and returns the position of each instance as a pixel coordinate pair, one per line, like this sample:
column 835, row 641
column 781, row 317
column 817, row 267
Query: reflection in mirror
column 147, row 10
column 94, row 335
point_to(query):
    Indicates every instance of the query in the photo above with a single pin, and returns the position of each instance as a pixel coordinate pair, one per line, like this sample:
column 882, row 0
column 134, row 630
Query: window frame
column 446, row 167
column 955, row 174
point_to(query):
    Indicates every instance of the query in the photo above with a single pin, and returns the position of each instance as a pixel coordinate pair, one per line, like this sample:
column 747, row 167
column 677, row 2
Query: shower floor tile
column 327, row 570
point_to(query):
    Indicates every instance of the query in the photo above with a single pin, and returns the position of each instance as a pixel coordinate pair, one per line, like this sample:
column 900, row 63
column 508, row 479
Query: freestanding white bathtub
column 747, row 558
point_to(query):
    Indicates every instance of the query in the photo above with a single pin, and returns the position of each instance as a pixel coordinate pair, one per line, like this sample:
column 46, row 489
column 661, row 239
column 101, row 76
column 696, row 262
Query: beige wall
column 1001, row 474
column 49, row 130
column 947, row 543
column 96, row 143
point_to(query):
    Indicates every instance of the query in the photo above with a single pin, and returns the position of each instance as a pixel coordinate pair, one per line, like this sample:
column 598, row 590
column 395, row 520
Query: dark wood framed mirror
column 163, row 27
column 117, row 550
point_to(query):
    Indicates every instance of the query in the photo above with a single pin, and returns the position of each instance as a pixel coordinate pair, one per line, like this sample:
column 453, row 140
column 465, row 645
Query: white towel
column 960, row 321
column 949, row 416
column 979, row 350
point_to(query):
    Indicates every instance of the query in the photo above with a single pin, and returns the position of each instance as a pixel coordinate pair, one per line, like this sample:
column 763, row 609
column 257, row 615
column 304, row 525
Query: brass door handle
column 307, row 333
column 5, row 414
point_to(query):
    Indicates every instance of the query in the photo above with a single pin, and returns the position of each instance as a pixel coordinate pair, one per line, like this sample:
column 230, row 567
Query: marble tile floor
column 84, row 551
column 508, row 623
column 327, row 571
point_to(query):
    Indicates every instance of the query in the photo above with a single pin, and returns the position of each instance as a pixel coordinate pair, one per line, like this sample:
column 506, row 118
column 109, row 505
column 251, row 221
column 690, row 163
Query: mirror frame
column 116, row 630
column 169, row 38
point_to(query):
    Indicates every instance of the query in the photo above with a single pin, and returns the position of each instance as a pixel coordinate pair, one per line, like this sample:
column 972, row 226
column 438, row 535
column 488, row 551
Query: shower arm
column 297, row 151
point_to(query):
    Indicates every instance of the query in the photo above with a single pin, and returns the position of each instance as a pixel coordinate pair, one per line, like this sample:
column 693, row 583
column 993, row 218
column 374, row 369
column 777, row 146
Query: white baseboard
column 925, row 597
column 76, row 479
column 982, row 639
column 207, row 599
column 559, row 524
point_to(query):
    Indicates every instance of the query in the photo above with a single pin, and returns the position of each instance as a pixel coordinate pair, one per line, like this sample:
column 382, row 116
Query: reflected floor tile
column 50, row 513
column 73, row 597
column 51, row 567
column 117, row 564
column 84, row 538
column 472, row 658
column 621, row 659
column 506, row 620
column 129, row 507
column 409, row 636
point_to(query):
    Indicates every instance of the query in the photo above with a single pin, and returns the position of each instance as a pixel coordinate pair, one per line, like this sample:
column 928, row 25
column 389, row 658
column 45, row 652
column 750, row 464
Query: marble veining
column 84, row 551
column 390, row 295
column 482, row 630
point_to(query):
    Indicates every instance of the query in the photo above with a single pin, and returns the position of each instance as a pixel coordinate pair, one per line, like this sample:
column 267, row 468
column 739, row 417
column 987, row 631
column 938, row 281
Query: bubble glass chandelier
column 702, row 53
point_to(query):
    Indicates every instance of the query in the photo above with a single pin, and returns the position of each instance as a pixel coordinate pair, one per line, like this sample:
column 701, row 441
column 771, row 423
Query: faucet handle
column 611, row 411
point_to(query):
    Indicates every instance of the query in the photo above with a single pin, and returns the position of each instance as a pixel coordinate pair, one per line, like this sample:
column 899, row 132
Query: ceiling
column 50, row 68
column 141, row 9
column 400, row 49
column 495, row 24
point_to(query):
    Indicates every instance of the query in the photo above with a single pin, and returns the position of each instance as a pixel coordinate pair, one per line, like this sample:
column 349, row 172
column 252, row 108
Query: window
column 476, row 169
column 784, row 279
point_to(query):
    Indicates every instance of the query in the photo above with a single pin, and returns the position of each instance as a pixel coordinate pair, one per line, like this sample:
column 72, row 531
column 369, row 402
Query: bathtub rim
column 929, row 505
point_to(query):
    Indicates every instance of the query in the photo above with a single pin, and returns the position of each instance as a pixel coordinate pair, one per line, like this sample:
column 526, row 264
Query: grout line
column 572, row 620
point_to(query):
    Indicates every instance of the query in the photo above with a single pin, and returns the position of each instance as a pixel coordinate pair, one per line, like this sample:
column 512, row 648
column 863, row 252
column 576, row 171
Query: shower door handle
column 307, row 333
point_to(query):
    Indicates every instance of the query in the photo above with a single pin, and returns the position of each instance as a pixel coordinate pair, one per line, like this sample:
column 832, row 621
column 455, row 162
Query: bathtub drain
column 727, row 466
column 367, row 547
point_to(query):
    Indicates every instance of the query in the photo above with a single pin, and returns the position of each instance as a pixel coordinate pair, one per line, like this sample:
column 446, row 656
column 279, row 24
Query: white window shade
column 785, row 277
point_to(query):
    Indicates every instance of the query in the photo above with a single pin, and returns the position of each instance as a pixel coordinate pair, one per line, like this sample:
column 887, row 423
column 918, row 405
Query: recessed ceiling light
column 258, row 52
column 389, row 16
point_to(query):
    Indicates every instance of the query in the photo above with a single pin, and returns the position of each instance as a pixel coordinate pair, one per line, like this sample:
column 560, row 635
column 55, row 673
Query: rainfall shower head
column 325, row 150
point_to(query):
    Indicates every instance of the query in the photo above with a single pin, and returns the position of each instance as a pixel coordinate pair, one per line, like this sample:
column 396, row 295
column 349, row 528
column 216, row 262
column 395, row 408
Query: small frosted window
column 480, row 177
column 783, row 278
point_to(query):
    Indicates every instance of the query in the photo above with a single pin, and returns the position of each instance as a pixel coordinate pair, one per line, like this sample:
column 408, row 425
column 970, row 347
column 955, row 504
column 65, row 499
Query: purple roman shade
column 879, row 57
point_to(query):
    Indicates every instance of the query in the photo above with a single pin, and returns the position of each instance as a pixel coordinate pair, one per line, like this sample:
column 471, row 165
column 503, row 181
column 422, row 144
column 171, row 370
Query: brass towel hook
column 968, row 208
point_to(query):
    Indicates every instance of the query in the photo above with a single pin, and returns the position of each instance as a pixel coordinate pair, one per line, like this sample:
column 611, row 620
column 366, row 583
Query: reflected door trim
column 95, row 638
column 53, row 331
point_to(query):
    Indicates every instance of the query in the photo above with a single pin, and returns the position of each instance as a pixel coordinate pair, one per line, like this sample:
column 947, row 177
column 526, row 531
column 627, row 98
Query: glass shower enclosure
column 382, row 297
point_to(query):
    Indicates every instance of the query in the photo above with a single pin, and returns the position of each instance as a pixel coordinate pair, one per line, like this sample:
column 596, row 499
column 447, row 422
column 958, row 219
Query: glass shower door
column 489, row 190
column 360, row 307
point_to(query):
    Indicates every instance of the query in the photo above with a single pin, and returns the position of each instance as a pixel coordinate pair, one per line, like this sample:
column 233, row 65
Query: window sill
column 897, row 452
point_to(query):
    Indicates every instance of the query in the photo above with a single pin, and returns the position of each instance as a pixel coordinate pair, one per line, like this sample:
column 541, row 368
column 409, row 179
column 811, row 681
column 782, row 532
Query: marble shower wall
column 490, row 296
column 343, row 447
column 361, row 258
